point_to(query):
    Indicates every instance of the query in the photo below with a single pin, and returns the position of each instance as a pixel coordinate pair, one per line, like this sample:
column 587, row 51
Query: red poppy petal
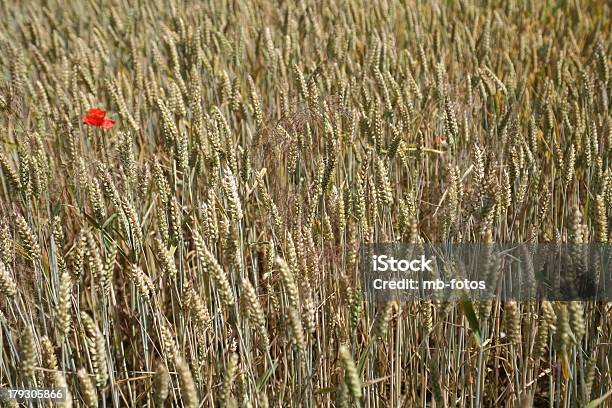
column 93, row 120
column 96, row 113
column 108, row 123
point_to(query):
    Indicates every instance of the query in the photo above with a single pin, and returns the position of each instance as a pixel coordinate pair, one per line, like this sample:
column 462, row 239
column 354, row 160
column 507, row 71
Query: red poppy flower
column 440, row 139
column 97, row 117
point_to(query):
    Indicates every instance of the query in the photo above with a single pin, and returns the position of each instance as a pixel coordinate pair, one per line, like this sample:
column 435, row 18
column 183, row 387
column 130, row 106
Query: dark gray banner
column 522, row 272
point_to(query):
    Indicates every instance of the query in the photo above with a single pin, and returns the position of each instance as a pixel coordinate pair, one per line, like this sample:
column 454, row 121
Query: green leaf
column 470, row 314
column 325, row 390
column 598, row 401
column 264, row 379
column 362, row 360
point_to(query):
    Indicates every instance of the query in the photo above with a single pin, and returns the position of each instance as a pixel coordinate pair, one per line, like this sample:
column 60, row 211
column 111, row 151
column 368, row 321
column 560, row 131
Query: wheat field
column 197, row 244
